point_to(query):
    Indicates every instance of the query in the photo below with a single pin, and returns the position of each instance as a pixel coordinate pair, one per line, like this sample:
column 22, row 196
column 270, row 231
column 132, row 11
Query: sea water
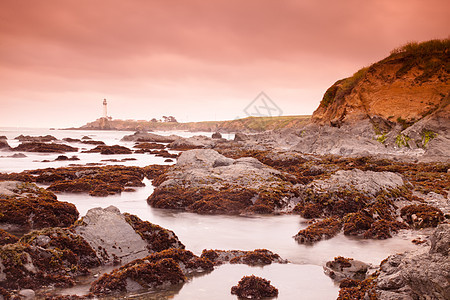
column 302, row 278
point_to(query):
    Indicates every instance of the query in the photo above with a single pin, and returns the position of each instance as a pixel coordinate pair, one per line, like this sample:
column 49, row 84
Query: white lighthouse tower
column 105, row 109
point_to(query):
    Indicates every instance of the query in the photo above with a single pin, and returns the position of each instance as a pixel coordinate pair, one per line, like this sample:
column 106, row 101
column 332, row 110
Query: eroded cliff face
column 410, row 84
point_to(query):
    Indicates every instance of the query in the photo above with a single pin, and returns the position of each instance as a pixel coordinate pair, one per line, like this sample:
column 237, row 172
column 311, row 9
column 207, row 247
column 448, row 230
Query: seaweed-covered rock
column 116, row 149
column 149, row 146
column 122, row 238
column 207, row 182
column 25, row 206
column 346, row 268
column 167, row 267
column 7, row 238
column 41, row 139
column 258, row 257
column 422, row 215
column 315, row 232
column 138, row 275
column 52, row 256
column 252, row 287
column 44, row 147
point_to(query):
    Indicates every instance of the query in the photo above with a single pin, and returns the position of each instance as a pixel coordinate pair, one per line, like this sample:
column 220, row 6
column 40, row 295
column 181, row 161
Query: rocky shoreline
column 362, row 196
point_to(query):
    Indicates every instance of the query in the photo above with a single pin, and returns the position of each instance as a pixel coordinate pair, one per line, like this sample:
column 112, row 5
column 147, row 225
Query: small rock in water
column 252, row 287
column 27, row 294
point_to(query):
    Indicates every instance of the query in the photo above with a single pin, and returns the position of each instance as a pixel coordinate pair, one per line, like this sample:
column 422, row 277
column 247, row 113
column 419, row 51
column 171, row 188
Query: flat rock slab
column 111, row 236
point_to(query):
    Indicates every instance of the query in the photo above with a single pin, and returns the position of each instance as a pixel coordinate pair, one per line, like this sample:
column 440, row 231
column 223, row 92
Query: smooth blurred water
column 303, row 278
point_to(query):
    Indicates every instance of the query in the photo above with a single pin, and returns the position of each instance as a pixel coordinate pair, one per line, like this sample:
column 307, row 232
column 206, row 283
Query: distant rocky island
column 249, row 124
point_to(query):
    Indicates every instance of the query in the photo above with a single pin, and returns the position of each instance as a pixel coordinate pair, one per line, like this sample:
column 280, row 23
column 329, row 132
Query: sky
column 194, row 60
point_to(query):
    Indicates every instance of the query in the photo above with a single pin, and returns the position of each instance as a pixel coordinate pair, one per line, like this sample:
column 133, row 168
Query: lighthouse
column 105, row 109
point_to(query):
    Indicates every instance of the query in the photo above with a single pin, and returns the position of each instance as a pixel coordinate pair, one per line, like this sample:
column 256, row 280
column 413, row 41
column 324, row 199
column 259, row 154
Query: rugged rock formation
column 4, row 145
column 116, row 149
column 44, row 147
column 205, row 181
column 143, row 136
column 195, row 142
column 24, row 206
column 50, row 256
column 419, row 274
column 119, row 238
column 424, row 273
column 346, row 268
column 40, row 139
column 411, row 83
column 252, row 287
column 165, row 268
column 258, row 257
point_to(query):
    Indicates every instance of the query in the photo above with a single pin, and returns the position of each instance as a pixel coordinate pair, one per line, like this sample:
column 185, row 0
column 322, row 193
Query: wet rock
column 91, row 142
column 116, row 149
column 27, row 294
column 346, row 268
column 4, row 145
column 143, row 136
column 86, row 138
column 7, row 238
column 26, row 206
column 41, row 139
column 205, row 181
column 422, row 215
column 252, row 287
column 71, row 140
column 65, row 158
column 216, row 135
column 97, row 181
column 324, row 229
column 240, row 137
column 122, row 238
column 18, row 155
column 44, row 147
column 138, row 275
column 150, row 146
column 420, row 274
column 258, row 257
column 51, row 256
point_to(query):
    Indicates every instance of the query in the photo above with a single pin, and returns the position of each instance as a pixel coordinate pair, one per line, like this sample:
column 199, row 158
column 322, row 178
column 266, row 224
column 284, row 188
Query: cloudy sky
column 195, row 60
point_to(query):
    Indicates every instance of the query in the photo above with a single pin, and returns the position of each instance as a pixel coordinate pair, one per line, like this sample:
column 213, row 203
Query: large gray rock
column 195, row 142
column 111, row 236
column 206, row 167
column 143, row 136
column 420, row 274
column 363, row 181
column 345, row 268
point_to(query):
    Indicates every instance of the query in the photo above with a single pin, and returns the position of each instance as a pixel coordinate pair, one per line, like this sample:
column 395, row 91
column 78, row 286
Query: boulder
column 44, row 147
column 258, row 257
column 195, row 142
column 117, row 239
column 419, row 274
column 25, row 206
column 4, row 145
column 41, row 139
column 252, row 287
column 346, row 268
column 143, row 136
column 205, row 181
column 165, row 268
column 368, row 182
column 216, row 135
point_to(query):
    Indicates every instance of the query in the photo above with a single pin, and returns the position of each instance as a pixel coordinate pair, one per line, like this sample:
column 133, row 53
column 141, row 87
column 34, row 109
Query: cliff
column 408, row 85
